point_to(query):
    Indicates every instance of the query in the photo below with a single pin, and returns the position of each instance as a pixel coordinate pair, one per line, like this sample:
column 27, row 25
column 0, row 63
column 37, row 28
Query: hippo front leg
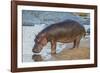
column 53, row 47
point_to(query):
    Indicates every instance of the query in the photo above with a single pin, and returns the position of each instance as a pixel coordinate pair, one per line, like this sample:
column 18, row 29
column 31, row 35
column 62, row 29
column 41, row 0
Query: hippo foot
column 53, row 52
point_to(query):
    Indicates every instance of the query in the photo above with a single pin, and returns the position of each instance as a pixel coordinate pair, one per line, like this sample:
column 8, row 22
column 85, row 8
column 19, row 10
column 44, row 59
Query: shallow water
column 29, row 33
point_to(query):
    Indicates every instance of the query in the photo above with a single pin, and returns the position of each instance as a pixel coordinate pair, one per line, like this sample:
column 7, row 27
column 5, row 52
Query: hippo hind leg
column 77, row 42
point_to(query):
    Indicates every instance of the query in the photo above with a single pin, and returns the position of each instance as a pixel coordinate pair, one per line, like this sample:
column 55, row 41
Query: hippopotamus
column 65, row 32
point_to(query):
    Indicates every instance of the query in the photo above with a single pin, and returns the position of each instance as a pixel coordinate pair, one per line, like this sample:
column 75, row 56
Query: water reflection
column 37, row 57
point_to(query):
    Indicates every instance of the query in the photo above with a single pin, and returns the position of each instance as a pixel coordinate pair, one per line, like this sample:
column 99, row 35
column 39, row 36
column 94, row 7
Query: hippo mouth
column 36, row 50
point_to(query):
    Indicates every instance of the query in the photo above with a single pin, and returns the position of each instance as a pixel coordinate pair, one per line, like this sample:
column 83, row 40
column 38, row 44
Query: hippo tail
column 84, row 34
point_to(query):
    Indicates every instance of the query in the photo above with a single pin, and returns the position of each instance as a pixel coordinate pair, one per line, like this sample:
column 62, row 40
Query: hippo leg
column 53, row 47
column 76, row 42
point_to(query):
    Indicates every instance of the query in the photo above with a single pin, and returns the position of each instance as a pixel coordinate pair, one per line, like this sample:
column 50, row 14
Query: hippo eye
column 37, row 40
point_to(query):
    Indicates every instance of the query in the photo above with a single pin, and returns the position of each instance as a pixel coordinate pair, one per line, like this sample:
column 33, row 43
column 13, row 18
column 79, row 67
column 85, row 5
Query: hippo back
column 66, row 29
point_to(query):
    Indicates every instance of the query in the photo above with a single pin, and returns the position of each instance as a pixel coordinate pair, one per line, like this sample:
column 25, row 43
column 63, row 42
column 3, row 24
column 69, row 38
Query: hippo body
column 64, row 32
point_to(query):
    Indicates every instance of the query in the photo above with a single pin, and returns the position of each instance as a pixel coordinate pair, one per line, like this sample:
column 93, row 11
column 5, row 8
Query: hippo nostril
column 35, row 51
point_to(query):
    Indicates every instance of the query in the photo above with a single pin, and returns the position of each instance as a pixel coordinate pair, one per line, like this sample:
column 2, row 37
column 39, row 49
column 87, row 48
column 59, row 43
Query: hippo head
column 40, row 42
